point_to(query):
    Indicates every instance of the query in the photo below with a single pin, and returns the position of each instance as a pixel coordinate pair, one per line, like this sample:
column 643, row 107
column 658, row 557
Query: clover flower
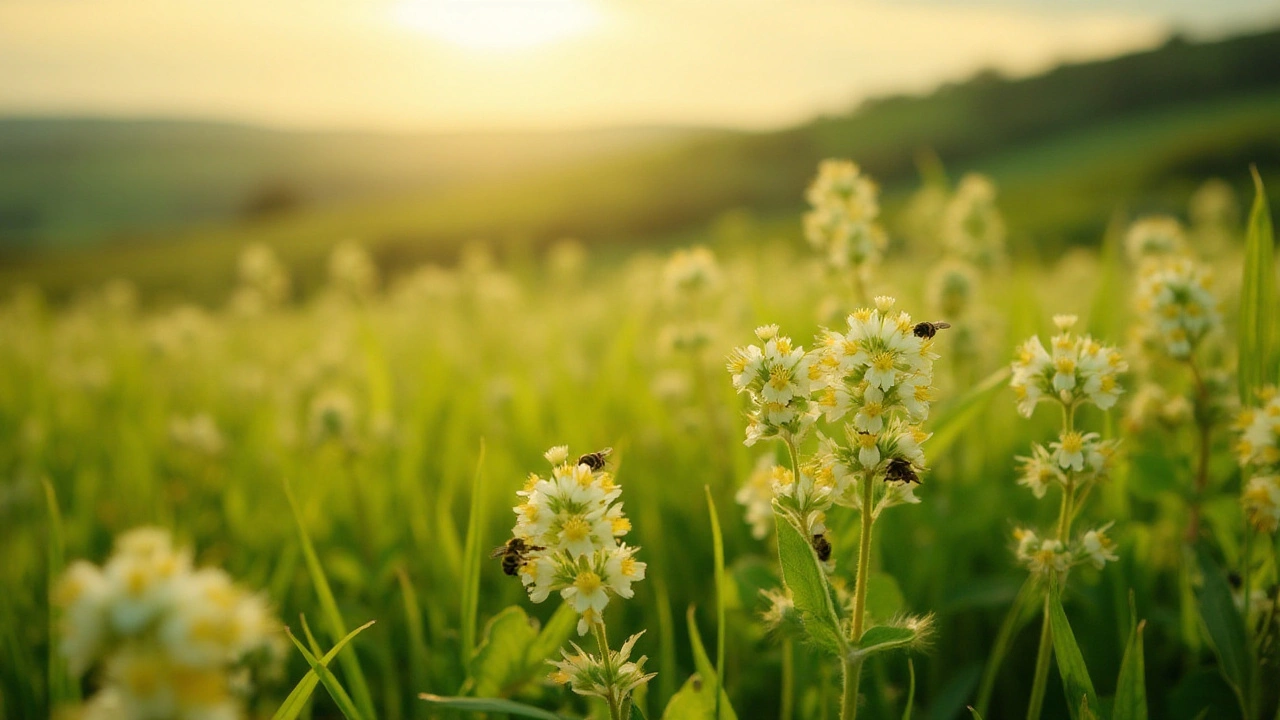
column 1176, row 305
column 1079, row 370
column 841, row 224
column 972, row 227
column 168, row 637
column 778, row 378
column 1158, row 236
column 590, row 675
column 573, row 521
column 756, row 496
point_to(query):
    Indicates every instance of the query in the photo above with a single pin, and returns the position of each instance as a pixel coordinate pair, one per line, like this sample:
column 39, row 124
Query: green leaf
column 329, row 606
column 297, row 699
column 976, row 715
column 1224, row 624
column 489, row 705
column 553, row 635
column 706, row 670
column 959, row 415
column 695, row 701
column 717, row 541
column 62, row 687
column 884, row 597
column 1257, row 297
column 336, row 691
column 804, row 577
column 1076, row 684
column 1131, row 688
column 501, row 660
column 882, row 638
column 471, row 560
column 1020, row 613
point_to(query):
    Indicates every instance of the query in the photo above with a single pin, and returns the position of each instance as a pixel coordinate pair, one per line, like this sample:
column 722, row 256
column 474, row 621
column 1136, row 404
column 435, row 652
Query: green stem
column 606, row 659
column 1041, row 681
column 788, row 680
column 1205, row 428
column 853, row 669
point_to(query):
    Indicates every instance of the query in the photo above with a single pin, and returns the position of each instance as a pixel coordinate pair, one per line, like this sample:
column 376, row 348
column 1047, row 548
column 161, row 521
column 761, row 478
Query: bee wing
column 498, row 551
column 605, row 452
column 942, row 325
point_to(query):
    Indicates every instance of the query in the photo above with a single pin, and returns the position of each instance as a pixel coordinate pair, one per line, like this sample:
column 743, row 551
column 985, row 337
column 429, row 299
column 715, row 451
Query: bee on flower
column 171, row 639
column 1176, row 305
column 575, row 520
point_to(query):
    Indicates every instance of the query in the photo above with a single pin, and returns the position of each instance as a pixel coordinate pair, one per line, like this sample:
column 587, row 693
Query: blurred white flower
column 1176, row 306
column 1158, row 236
column 841, row 224
column 972, row 228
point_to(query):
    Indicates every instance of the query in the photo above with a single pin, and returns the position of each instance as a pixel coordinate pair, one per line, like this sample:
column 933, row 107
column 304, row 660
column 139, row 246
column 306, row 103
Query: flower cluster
column 1051, row 557
column 615, row 677
column 166, row 635
column 1176, row 305
column 756, row 496
column 779, row 379
column 972, row 228
column 1079, row 370
column 570, row 524
column 842, row 222
column 1259, row 448
column 1154, row 237
column 1076, row 457
column 690, row 272
column 1152, row 404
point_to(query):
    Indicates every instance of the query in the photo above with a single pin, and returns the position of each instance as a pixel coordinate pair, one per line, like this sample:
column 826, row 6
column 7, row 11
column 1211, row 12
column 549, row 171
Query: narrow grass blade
column 1131, row 688
column 1257, row 297
column 1018, row 616
column 471, row 559
column 297, row 699
column 976, row 715
column 809, row 590
column 703, row 664
column 911, row 690
column 718, row 544
column 62, row 688
column 336, row 691
column 489, row 705
column 417, row 636
column 1076, row 684
column 960, row 414
column 329, row 606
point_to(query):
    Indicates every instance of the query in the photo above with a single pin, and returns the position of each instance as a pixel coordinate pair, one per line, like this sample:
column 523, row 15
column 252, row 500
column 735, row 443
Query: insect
column 822, row 546
column 595, row 460
column 929, row 329
column 900, row 470
column 513, row 554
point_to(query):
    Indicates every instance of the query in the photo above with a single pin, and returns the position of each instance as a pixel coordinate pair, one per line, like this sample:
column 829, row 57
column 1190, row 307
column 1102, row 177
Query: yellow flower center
column 627, row 567
column 883, row 361
column 621, row 526
column 867, row 440
column 575, row 529
column 1072, row 442
column 1065, row 365
column 587, row 582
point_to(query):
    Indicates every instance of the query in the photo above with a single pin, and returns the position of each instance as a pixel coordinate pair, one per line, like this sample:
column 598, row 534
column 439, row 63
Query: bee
column 513, row 554
column 822, row 546
column 595, row 460
column 900, row 470
column 929, row 329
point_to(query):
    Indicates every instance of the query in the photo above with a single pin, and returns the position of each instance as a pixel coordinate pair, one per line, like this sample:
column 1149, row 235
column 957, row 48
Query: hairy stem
column 606, row 659
column 853, row 668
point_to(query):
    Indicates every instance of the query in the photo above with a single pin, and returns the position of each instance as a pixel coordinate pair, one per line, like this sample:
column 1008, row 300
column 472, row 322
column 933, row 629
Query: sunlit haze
column 503, row 64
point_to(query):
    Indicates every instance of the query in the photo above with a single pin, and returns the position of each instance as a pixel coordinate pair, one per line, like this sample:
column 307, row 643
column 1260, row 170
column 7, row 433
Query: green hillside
column 1068, row 148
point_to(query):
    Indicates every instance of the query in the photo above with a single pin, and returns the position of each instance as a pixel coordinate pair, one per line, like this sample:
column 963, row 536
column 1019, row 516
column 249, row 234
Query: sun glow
column 498, row 24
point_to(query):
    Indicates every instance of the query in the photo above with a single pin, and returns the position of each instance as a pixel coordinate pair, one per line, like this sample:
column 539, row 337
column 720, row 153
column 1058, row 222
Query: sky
column 466, row 65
